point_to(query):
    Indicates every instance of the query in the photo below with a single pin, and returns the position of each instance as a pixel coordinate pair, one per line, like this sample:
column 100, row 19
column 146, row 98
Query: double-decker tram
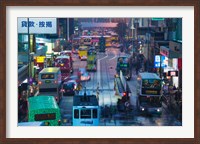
column 86, row 111
column 91, row 60
column 108, row 40
column 82, row 52
column 86, row 40
column 149, row 93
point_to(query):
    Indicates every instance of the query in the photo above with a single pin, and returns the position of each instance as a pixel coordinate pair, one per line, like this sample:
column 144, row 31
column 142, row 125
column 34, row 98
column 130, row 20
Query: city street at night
column 100, row 71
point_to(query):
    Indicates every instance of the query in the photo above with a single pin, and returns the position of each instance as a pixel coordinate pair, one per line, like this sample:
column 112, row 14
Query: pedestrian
column 174, row 87
column 165, row 89
column 137, row 68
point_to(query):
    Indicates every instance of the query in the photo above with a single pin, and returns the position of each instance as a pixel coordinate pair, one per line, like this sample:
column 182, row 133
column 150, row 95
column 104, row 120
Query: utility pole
column 148, row 47
column 67, row 29
column 28, row 81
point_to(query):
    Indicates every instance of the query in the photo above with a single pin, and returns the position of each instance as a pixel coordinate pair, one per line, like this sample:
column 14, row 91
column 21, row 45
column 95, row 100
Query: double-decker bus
column 149, row 93
column 44, row 109
column 86, row 111
column 91, row 60
column 65, row 65
column 82, row 52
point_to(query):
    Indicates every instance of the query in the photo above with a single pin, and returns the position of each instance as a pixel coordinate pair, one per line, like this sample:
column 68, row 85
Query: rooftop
column 88, row 100
column 107, row 25
column 146, row 75
column 42, row 102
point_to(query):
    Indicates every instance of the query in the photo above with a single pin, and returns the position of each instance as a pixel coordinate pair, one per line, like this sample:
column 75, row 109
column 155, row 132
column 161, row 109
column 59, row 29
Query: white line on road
column 98, row 69
column 113, row 57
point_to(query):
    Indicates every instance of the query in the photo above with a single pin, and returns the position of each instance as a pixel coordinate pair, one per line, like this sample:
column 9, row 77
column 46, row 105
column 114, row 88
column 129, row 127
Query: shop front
column 172, row 71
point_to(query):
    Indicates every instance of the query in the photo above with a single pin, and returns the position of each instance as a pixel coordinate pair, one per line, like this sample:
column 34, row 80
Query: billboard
column 160, row 59
column 37, row 25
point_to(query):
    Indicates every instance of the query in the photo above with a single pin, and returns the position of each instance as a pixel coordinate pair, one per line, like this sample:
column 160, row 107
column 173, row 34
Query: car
column 69, row 88
column 72, row 77
column 83, row 74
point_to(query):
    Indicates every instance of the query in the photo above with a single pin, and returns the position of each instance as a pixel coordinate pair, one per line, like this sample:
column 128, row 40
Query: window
column 62, row 61
column 69, row 85
column 47, row 76
column 151, row 83
column 94, row 113
column 76, row 113
column 86, row 113
column 63, row 71
column 49, row 116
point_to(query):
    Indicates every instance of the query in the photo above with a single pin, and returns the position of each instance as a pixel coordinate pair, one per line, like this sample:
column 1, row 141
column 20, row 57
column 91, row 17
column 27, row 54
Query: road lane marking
column 113, row 57
column 98, row 70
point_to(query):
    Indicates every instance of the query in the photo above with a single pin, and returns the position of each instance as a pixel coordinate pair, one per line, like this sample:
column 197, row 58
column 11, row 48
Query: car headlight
column 142, row 108
column 158, row 110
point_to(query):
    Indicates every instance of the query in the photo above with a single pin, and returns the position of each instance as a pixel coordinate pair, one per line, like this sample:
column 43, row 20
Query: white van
column 49, row 82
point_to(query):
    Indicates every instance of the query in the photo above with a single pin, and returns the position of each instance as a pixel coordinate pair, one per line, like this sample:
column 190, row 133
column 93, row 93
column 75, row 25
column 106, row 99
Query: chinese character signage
column 164, row 61
column 37, row 25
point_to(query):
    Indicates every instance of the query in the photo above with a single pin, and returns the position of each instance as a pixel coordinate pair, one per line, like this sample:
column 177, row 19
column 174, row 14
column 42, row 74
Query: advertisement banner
column 37, row 25
column 160, row 59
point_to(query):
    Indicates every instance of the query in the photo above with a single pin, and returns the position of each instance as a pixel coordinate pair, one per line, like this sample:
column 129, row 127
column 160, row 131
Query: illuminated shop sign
column 172, row 73
column 160, row 59
column 40, row 59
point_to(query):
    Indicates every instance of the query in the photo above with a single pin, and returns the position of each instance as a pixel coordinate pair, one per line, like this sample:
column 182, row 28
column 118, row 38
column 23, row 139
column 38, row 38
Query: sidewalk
column 174, row 106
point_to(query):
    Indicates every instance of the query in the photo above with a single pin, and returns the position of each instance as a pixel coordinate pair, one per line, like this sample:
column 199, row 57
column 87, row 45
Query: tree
column 121, row 29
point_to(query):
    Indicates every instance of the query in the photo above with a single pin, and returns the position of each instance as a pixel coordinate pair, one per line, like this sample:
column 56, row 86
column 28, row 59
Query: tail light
column 124, row 93
column 59, row 122
column 39, row 82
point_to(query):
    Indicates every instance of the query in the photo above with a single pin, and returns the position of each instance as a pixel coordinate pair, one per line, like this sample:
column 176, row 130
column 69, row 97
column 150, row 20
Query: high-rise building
column 63, row 30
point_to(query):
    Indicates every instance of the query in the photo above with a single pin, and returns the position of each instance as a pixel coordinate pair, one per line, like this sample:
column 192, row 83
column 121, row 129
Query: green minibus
column 44, row 108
